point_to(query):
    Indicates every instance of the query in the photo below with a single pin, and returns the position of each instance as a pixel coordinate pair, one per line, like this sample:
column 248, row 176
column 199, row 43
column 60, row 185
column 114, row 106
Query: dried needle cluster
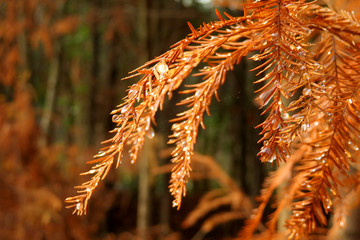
column 308, row 70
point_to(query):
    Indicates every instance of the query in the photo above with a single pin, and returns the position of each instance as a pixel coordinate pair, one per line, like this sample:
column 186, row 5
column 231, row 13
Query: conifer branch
column 310, row 94
column 288, row 65
column 187, row 123
column 133, row 118
column 331, row 147
column 276, row 178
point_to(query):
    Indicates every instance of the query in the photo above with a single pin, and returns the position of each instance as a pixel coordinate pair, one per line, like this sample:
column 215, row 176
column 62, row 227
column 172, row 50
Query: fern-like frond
column 334, row 120
column 281, row 175
column 309, row 91
column 287, row 65
column 229, row 195
column 159, row 78
column 327, row 92
column 340, row 24
column 187, row 123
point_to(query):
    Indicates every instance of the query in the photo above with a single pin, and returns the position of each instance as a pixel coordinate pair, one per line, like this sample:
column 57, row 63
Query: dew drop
column 162, row 68
column 264, row 98
column 342, row 224
column 272, row 159
column 275, row 34
column 206, row 68
column 320, row 157
column 132, row 93
column 347, row 154
column 147, row 128
column 306, row 91
column 180, row 173
column 333, row 191
column 150, row 133
column 125, row 108
column 116, row 118
column 350, row 101
column 353, row 146
column 255, row 58
column 304, row 127
column 100, row 154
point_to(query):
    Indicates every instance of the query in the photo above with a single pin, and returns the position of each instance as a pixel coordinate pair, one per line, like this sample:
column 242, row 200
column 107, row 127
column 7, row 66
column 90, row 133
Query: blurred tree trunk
column 22, row 41
column 52, row 80
column 93, row 105
column 243, row 116
column 352, row 229
column 142, row 223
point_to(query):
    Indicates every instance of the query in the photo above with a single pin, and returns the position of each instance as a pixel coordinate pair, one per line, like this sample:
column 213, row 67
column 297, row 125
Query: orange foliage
column 309, row 93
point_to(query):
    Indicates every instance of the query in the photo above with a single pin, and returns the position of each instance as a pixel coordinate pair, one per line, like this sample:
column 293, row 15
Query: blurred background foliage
column 61, row 66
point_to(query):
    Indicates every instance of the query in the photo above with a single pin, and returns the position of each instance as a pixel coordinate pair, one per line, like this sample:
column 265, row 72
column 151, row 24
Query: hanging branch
column 133, row 118
column 187, row 123
column 337, row 101
column 281, row 175
column 310, row 94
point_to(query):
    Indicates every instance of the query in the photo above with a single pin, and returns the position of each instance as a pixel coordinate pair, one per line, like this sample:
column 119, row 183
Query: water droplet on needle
column 150, row 133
